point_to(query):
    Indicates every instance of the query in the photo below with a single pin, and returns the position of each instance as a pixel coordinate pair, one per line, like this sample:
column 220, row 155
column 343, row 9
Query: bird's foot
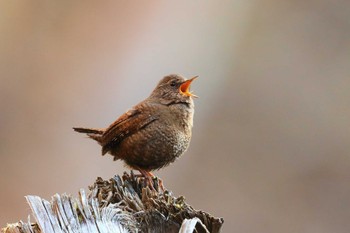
column 150, row 180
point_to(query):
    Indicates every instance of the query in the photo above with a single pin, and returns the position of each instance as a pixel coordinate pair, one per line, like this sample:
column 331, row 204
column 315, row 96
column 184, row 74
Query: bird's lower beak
column 185, row 87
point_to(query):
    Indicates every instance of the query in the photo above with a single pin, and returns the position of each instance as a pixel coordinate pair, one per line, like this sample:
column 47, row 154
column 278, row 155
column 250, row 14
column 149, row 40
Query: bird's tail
column 88, row 130
column 92, row 133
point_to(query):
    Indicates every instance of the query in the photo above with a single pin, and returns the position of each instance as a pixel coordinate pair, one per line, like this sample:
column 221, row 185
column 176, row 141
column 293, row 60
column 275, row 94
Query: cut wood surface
column 121, row 204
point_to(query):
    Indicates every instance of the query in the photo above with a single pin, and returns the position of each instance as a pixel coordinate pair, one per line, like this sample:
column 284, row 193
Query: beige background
column 271, row 142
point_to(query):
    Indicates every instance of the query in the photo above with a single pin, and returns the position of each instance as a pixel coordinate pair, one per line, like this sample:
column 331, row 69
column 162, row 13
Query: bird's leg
column 149, row 176
column 161, row 185
column 160, row 181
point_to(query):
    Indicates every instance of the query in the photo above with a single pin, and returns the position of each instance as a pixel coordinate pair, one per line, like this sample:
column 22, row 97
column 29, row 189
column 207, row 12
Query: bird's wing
column 126, row 125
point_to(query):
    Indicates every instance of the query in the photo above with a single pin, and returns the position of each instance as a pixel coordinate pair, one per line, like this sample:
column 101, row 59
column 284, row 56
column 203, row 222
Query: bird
column 153, row 133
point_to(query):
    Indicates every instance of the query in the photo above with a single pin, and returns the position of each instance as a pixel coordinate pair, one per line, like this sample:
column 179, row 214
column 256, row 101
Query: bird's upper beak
column 185, row 87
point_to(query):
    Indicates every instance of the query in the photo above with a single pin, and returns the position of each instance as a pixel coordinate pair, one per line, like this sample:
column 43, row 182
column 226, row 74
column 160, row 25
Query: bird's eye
column 173, row 84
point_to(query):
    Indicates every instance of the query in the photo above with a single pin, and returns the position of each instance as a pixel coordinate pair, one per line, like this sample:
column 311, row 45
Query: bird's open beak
column 185, row 87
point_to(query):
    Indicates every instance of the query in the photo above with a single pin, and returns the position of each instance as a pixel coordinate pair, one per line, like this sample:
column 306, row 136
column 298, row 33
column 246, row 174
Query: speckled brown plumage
column 154, row 132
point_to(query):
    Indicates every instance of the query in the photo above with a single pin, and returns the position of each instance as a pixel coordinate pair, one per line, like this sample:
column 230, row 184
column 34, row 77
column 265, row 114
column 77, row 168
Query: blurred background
column 271, row 140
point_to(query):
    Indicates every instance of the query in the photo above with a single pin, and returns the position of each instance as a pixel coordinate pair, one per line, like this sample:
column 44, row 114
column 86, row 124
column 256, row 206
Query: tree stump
column 120, row 204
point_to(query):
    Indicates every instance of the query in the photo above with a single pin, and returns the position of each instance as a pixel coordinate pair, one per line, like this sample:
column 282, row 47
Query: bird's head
column 174, row 88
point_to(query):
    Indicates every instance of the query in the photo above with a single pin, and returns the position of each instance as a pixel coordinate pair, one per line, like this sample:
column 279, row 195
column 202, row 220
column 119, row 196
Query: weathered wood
column 121, row 204
column 189, row 226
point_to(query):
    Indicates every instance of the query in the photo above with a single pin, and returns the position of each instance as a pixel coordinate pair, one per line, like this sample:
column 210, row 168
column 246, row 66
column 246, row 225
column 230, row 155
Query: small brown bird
column 154, row 132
